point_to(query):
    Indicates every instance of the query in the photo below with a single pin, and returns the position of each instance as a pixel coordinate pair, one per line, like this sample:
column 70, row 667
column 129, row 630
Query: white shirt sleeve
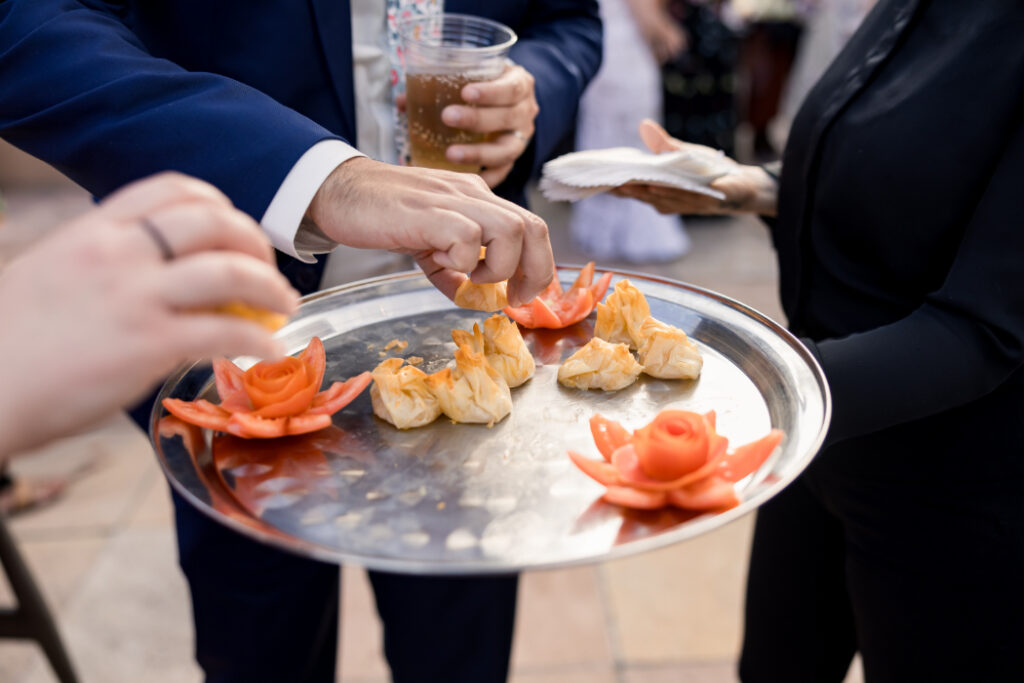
column 283, row 216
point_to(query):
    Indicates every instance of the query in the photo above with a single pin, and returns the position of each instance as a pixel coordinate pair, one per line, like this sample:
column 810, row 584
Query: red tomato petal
column 627, row 464
column 543, row 316
column 600, row 287
column 201, row 413
column 230, row 385
column 585, row 277
column 673, row 445
column 598, row 470
column 250, row 426
column 747, row 458
column 633, row 498
column 316, row 359
column 574, row 307
column 521, row 314
column 339, row 395
column 269, row 382
column 608, row 435
column 305, row 423
column 711, row 493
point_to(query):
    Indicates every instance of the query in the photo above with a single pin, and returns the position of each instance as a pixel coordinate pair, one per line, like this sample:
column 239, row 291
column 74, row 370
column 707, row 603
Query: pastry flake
column 502, row 345
column 472, row 391
column 600, row 365
column 506, row 351
column 400, row 395
column 666, row 352
column 620, row 317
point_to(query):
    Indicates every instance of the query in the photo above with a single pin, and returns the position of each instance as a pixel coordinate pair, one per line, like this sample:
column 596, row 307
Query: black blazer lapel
column 848, row 75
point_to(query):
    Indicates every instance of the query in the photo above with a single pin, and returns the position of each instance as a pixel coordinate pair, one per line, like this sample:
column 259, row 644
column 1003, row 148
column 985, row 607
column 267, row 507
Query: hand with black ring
column 101, row 309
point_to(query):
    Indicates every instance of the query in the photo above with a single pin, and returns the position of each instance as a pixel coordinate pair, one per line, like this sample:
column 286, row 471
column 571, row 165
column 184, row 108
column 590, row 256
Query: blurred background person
column 699, row 84
column 769, row 34
column 639, row 36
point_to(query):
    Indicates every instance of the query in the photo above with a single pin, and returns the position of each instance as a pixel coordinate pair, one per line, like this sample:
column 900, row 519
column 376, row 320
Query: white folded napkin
column 579, row 175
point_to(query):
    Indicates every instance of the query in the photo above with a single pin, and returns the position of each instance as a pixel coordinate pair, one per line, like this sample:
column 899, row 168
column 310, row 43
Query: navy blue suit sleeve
column 79, row 90
column 560, row 45
column 961, row 344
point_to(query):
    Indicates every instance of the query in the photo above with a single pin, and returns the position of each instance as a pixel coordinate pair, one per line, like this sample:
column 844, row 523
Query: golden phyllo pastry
column 488, row 297
column 474, row 339
column 400, row 395
column 472, row 391
column 620, row 316
column 502, row 345
column 506, row 351
column 600, row 365
column 666, row 352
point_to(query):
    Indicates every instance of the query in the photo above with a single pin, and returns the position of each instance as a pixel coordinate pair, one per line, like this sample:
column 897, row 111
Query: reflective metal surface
column 456, row 498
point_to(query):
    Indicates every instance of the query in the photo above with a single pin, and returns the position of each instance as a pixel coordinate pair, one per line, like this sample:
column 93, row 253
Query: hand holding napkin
column 579, row 175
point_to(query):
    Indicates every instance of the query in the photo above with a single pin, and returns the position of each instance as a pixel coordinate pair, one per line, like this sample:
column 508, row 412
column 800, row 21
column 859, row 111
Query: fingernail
column 471, row 94
column 451, row 116
column 456, row 154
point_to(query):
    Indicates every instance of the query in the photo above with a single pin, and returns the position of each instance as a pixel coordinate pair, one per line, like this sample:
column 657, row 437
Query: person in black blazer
column 900, row 240
column 240, row 94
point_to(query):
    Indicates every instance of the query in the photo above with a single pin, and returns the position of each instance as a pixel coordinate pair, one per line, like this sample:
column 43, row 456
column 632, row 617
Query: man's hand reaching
column 441, row 218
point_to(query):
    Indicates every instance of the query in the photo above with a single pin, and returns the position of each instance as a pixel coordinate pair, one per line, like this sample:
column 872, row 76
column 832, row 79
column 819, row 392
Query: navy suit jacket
column 234, row 91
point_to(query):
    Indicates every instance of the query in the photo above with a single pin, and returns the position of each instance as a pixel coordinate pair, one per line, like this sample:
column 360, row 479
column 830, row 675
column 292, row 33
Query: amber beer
column 426, row 96
column 441, row 54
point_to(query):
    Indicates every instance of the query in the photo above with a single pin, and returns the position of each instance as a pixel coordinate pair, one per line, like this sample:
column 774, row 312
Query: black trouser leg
column 799, row 625
column 447, row 629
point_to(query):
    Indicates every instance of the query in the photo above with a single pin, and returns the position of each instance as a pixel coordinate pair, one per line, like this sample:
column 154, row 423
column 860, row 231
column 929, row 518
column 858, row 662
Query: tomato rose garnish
column 272, row 398
column 678, row 459
column 554, row 309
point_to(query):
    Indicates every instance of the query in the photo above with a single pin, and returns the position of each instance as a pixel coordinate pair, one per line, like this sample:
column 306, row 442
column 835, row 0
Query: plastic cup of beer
column 442, row 54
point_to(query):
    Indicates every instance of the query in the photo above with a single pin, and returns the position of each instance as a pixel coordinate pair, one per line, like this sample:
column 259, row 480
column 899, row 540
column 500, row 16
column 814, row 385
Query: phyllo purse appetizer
column 400, row 395
column 600, row 365
column 472, row 391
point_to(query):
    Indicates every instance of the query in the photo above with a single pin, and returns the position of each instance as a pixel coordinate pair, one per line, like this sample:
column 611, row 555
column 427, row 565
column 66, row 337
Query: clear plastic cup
column 442, row 54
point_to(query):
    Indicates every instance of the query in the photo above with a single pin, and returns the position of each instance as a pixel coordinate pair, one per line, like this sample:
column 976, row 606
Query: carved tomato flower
column 678, row 459
column 554, row 309
column 272, row 398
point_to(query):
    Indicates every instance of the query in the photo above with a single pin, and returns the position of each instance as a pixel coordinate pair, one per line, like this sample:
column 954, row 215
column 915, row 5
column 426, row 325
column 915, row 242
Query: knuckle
column 476, row 182
column 535, row 227
column 232, row 271
column 208, row 215
column 516, row 226
column 468, row 232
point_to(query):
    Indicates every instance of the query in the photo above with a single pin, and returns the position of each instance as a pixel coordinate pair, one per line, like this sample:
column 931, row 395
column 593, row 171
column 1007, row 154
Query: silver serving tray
column 468, row 499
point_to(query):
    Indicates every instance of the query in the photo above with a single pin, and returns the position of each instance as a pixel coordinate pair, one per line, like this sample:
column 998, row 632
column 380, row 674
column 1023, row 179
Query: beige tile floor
column 105, row 554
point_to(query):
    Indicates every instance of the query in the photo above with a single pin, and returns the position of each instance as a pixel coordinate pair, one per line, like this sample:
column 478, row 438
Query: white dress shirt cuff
column 283, row 216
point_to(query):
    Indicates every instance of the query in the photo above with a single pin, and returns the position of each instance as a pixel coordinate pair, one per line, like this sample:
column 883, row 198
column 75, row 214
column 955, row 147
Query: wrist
column 335, row 191
column 764, row 191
